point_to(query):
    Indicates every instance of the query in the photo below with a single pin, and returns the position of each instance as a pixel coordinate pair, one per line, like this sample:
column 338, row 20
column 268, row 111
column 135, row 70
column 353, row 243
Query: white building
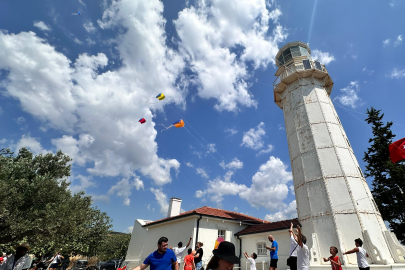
column 334, row 202
column 205, row 225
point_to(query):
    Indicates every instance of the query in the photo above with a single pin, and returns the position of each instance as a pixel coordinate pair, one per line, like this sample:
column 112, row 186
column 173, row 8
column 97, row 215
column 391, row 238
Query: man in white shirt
column 19, row 261
column 302, row 252
column 178, row 251
column 293, row 249
column 251, row 259
column 361, row 253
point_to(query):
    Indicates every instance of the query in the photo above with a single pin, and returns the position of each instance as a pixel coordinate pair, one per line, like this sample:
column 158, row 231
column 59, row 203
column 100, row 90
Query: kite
column 142, row 120
column 177, row 124
column 161, row 96
column 77, row 13
column 219, row 240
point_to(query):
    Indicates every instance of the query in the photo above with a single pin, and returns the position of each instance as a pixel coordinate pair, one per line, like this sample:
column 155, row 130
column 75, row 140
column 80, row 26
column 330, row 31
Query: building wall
column 249, row 244
column 333, row 198
column 144, row 240
column 208, row 234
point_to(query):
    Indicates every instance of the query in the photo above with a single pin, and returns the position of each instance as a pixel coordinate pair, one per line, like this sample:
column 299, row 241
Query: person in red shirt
column 334, row 259
column 189, row 261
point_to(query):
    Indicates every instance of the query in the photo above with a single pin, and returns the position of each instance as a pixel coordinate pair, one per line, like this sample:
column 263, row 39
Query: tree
column 388, row 178
column 38, row 207
column 114, row 246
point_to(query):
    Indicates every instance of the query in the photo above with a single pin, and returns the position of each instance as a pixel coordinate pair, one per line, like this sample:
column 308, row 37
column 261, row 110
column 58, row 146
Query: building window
column 261, row 249
column 221, row 233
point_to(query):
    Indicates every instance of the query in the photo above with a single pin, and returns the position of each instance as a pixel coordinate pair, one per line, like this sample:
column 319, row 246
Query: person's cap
column 226, row 251
column 22, row 245
column 180, row 244
column 1, row 258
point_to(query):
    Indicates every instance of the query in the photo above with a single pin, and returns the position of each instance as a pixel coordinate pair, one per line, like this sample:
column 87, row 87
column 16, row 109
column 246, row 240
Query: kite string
column 216, row 151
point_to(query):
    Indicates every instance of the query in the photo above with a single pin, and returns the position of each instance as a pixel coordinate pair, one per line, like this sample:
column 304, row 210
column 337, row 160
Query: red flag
column 397, row 150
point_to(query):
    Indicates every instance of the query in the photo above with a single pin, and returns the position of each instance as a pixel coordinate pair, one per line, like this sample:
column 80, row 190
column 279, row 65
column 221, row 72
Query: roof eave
column 198, row 214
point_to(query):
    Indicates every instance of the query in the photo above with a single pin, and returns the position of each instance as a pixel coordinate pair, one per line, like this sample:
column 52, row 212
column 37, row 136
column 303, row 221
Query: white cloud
column 90, row 41
column 188, row 164
column 235, row 209
column 99, row 198
column 231, row 131
column 77, row 41
column 202, row 172
column 269, row 187
column 208, row 33
column 253, row 138
column 211, row 148
column 31, row 143
column 397, row 74
column 281, row 127
column 41, row 25
column 85, row 182
column 398, row 41
column 324, row 57
column 76, row 149
column 350, row 96
column 218, row 188
column 88, row 25
column 368, row 71
column 386, row 42
column 265, row 151
column 67, row 98
column 289, row 212
column 161, row 198
column 235, row 164
column 124, row 188
column 129, row 229
column 20, row 120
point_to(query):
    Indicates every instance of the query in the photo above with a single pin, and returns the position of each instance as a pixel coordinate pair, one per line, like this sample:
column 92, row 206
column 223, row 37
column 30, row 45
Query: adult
column 161, row 259
column 189, row 260
column 273, row 252
column 198, row 256
column 303, row 251
column 293, row 249
column 19, row 261
column 55, row 261
column 178, row 251
column 361, row 254
column 223, row 257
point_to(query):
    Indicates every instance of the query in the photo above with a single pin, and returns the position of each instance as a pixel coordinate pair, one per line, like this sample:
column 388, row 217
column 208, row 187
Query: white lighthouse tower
column 334, row 202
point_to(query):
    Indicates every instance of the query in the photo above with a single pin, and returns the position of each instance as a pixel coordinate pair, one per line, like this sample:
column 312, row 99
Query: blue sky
column 81, row 83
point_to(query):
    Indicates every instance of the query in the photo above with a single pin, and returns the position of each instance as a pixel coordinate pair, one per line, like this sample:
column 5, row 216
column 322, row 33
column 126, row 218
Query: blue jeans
column 198, row 265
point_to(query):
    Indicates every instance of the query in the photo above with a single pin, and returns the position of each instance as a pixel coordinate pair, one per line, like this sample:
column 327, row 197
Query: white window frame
column 261, row 249
column 222, row 235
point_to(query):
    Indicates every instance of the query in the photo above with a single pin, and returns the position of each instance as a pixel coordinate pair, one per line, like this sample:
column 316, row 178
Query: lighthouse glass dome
column 291, row 52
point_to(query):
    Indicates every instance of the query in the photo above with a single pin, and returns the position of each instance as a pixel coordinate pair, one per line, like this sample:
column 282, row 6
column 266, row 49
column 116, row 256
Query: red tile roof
column 213, row 212
column 271, row 226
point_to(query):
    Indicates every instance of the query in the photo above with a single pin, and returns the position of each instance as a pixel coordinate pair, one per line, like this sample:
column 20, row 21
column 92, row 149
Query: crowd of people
column 22, row 261
column 224, row 258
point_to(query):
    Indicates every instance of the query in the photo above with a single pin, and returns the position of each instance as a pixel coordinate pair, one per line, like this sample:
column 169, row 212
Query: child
column 334, row 260
column 189, row 260
column 251, row 260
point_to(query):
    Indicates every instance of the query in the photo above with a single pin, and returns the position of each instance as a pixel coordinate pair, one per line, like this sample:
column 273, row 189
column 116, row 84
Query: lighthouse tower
column 334, row 202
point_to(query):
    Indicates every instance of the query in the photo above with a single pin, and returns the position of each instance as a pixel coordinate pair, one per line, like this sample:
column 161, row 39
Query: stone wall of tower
column 333, row 198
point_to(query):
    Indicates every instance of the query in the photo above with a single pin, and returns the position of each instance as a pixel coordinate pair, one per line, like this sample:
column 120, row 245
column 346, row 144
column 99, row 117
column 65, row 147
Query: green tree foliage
column 388, row 178
column 114, row 246
column 38, row 207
